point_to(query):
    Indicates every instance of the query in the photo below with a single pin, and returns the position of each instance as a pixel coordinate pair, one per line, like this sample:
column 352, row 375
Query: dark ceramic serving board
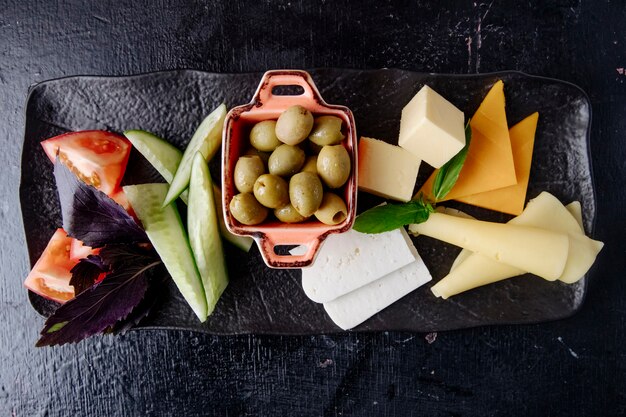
column 262, row 300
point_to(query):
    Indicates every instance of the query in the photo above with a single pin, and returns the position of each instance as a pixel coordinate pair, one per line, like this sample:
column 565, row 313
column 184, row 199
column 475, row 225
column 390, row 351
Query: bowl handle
column 267, row 244
column 266, row 99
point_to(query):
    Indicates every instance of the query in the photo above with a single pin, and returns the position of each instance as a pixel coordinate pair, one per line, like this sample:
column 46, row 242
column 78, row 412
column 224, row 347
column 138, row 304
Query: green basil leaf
column 449, row 172
column 392, row 216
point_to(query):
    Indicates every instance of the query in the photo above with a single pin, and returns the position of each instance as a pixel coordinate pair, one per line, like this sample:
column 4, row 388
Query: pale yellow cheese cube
column 386, row 170
column 432, row 128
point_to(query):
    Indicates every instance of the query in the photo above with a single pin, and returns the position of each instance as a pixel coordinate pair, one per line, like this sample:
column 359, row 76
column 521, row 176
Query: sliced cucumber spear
column 161, row 154
column 167, row 234
column 204, row 234
column 165, row 158
column 206, row 140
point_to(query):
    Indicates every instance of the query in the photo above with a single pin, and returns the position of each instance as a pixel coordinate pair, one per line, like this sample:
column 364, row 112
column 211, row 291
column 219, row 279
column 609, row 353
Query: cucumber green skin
column 204, row 234
column 165, row 158
column 207, row 139
column 167, row 234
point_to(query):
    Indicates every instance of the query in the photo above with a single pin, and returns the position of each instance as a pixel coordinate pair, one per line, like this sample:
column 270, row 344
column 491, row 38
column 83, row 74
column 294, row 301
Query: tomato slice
column 78, row 250
column 50, row 277
column 97, row 157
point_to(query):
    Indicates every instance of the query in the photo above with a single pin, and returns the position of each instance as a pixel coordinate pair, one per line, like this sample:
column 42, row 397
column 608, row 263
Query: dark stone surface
column 573, row 367
column 172, row 103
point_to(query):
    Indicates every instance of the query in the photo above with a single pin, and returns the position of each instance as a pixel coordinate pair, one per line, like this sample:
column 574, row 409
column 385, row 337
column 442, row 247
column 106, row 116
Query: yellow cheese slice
column 489, row 163
column 545, row 211
column 511, row 199
column 533, row 249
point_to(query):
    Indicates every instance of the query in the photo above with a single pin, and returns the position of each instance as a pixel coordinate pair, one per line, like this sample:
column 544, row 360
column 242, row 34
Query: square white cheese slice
column 432, row 128
column 352, row 309
column 350, row 260
column 387, row 170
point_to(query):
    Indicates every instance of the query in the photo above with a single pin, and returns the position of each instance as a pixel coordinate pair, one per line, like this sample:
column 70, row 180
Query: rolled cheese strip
column 544, row 211
column 573, row 208
column 352, row 309
column 577, row 213
column 539, row 251
column 350, row 260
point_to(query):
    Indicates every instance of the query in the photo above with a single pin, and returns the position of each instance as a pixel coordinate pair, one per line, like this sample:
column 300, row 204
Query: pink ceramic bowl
column 264, row 106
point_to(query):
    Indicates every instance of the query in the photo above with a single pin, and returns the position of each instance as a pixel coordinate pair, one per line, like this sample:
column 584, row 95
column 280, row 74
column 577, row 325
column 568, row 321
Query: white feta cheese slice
column 387, row 170
column 350, row 260
column 350, row 310
column 432, row 128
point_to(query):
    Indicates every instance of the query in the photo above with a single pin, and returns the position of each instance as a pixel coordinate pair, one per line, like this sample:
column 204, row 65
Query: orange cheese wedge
column 511, row 199
column 489, row 164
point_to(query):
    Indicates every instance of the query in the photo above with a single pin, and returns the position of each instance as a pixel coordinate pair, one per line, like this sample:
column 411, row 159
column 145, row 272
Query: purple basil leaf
column 85, row 273
column 90, row 215
column 99, row 307
column 120, row 256
column 153, row 296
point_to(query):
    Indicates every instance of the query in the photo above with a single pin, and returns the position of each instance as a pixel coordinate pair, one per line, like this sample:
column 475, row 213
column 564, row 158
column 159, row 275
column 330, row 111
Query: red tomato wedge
column 97, row 157
column 50, row 277
column 78, row 250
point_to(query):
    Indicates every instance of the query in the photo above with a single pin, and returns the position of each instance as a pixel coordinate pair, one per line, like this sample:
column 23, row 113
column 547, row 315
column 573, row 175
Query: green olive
column 326, row 131
column 263, row 136
column 247, row 210
column 288, row 214
column 265, row 156
column 310, row 164
column 333, row 165
column 247, row 170
column 332, row 210
column 305, row 192
column 294, row 125
column 271, row 190
column 286, row 160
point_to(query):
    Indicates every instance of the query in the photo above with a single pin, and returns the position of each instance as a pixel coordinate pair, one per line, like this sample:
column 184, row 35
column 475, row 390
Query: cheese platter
column 259, row 299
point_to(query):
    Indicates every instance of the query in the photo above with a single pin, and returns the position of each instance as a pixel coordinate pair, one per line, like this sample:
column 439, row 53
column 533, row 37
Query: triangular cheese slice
column 511, row 199
column 489, row 164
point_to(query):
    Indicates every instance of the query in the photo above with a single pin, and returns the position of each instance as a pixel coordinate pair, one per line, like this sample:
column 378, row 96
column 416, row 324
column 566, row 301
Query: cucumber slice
column 167, row 234
column 204, row 234
column 165, row 158
column 161, row 154
column 206, row 140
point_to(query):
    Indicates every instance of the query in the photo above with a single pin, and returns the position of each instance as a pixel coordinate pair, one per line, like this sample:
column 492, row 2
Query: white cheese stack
column 356, row 275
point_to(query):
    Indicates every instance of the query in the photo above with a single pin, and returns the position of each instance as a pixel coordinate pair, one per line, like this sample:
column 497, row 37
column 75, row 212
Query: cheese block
column 350, row 260
column 386, row 170
column 489, row 163
column 511, row 199
column 545, row 211
column 352, row 309
column 432, row 128
column 539, row 251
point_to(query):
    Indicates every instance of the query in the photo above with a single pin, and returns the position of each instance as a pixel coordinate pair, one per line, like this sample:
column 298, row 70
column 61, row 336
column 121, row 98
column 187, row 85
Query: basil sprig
column 449, row 172
column 392, row 216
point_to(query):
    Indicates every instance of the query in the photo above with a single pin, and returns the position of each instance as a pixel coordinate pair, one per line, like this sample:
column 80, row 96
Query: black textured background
column 573, row 367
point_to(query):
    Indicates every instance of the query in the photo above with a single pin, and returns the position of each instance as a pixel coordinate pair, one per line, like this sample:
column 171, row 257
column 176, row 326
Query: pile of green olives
column 294, row 168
